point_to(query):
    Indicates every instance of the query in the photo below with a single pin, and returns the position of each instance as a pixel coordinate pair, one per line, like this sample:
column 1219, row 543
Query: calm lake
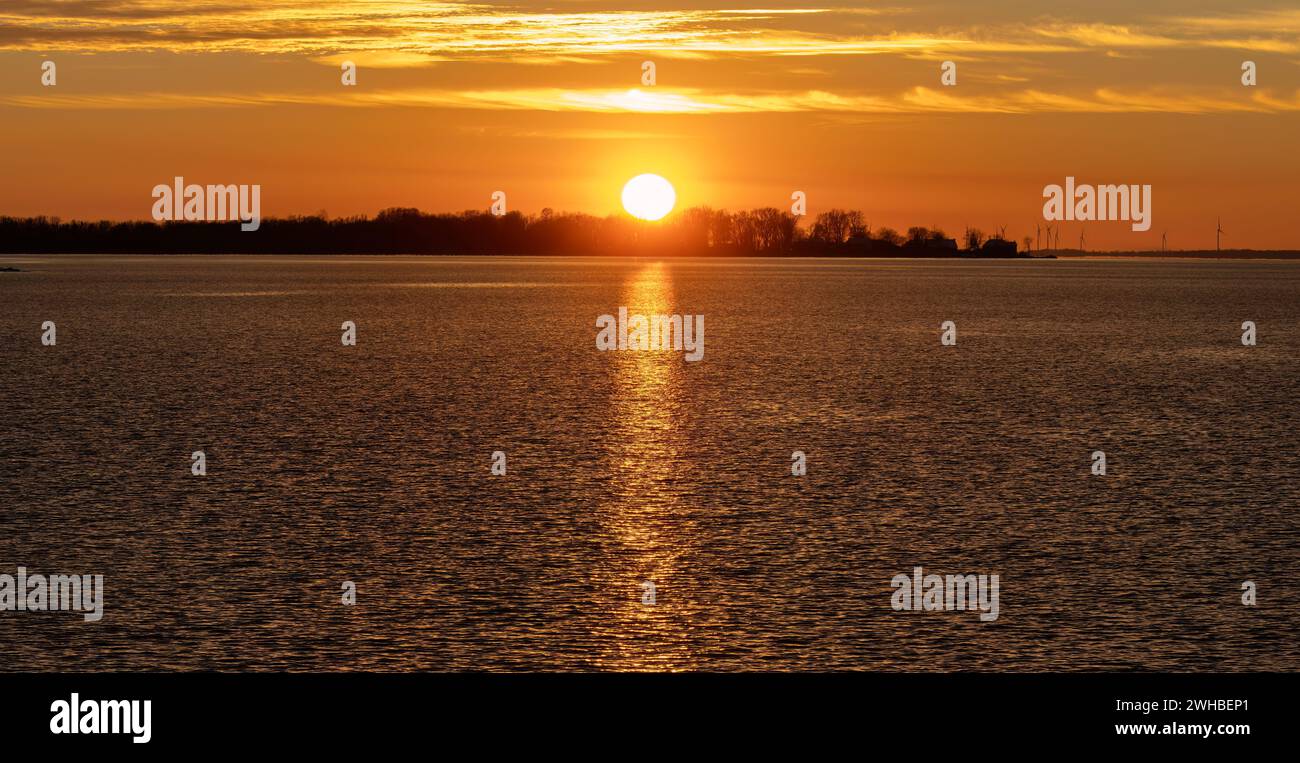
column 373, row 463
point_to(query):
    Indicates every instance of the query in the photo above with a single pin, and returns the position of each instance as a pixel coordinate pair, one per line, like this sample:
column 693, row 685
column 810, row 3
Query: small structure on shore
column 998, row 247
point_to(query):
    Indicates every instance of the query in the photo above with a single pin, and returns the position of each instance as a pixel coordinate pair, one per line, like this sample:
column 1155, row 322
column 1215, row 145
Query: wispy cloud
column 439, row 30
column 411, row 30
column 694, row 101
column 403, row 34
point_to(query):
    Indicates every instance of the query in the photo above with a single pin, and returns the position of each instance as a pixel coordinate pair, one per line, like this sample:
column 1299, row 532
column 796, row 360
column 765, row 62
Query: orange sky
column 840, row 100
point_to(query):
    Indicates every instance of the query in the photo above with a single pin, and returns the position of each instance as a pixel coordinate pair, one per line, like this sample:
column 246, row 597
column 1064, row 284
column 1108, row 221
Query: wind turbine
column 1037, row 237
column 1218, row 230
column 1081, row 239
column 1163, row 239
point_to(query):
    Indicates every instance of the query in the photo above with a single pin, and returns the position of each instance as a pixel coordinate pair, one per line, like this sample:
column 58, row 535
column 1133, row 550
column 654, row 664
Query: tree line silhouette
column 694, row 231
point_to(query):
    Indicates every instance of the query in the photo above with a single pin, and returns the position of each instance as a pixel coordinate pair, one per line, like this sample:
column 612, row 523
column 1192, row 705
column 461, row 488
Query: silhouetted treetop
column 406, row 230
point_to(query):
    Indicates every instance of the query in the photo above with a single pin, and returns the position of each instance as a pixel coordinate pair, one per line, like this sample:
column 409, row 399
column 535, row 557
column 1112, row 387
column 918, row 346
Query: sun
column 648, row 197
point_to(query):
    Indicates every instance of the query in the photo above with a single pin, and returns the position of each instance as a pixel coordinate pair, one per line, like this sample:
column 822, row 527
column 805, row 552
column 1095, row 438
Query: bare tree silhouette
column 404, row 230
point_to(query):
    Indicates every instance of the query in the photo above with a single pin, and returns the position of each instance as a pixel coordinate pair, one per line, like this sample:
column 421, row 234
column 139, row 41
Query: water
column 371, row 463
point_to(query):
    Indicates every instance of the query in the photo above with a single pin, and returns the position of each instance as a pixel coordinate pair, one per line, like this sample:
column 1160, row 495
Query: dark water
column 372, row 463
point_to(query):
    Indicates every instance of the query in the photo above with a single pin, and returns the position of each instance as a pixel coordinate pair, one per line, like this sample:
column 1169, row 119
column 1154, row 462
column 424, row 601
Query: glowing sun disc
column 648, row 197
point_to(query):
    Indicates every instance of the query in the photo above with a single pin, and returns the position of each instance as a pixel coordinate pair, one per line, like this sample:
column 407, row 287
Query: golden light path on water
column 645, row 521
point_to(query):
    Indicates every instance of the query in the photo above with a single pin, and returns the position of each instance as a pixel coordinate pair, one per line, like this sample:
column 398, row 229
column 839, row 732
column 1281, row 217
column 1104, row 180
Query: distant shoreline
column 1193, row 254
column 1242, row 255
column 694, row 232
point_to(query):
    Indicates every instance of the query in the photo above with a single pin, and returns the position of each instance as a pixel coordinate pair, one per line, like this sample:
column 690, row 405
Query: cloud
column 396, row 30
column 1106, row 36
column 1010, row 53
column 695, row 101
column 457, row 30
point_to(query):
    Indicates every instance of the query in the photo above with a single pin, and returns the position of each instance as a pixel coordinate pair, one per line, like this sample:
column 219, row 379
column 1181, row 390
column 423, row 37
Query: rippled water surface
column 371, row 463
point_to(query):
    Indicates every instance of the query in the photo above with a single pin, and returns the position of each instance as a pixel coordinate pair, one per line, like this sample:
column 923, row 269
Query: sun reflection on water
column 648, row 529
